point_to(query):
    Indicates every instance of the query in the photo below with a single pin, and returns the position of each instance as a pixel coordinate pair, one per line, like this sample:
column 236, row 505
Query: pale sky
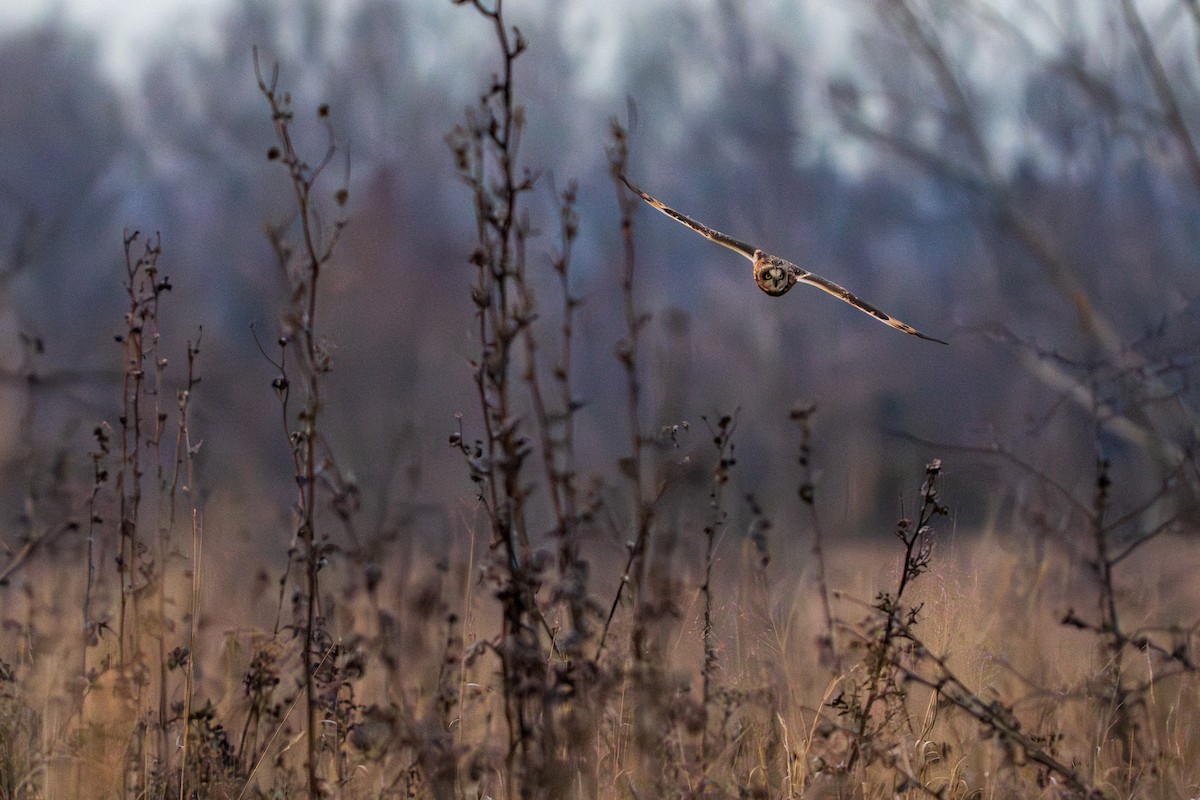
column 122, row 27
column 130, row 25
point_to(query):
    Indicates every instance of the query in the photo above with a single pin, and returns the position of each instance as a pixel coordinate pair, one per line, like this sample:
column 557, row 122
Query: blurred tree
column 64, row 131
column 1081, row 155
column 205, row 132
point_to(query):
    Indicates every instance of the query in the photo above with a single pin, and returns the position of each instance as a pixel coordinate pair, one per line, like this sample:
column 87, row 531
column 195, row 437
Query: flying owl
column 775, row 275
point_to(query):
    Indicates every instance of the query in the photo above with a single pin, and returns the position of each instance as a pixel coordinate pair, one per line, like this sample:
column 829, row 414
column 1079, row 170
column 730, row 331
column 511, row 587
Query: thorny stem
column 485, row 151
column 99, row 477
column 802, row 415
column 556, row 429
column 300, row 331
column 1104, row 564
column 1110, row 627
column 722, row 436
column 142, row 287
column 916, row 561
column 184, row 449
column 993, row 715
column 627, row 353
column 142, row 562
column 190, row 665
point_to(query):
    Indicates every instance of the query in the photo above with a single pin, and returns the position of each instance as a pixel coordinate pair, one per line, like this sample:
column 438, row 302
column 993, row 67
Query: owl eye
column 772, row 279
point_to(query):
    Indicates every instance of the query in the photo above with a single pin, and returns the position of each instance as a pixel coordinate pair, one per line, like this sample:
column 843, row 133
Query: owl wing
column 703, row 230
column 845, row 294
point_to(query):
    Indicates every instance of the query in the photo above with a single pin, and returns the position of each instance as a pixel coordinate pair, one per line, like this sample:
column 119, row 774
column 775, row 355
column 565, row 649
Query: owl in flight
column 774, row 275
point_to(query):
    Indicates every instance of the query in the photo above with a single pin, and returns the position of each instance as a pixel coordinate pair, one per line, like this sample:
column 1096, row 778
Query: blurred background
column 1019, row 177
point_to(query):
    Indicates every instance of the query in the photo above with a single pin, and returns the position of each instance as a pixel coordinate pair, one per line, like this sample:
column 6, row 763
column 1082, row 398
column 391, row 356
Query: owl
column 775, row 275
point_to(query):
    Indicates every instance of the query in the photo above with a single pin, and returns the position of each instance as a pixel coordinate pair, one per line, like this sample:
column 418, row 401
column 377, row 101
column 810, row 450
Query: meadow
column 652, row 624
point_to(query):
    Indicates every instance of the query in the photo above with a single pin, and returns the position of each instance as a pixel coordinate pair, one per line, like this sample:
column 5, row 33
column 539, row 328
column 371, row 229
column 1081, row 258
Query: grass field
column 639, row 629
column 983, row 692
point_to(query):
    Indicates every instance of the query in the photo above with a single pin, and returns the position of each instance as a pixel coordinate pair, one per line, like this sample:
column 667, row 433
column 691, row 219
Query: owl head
column 772, row 274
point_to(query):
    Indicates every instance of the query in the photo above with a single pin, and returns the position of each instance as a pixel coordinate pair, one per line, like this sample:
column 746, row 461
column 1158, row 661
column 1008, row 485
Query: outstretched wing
column 843, row 293
column 703, row 230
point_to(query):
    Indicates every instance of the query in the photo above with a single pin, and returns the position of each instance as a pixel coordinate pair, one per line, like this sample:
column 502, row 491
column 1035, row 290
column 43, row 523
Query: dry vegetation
column 1050, row 655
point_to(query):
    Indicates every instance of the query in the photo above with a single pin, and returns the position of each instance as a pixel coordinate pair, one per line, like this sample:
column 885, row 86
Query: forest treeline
column 1020, row 179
